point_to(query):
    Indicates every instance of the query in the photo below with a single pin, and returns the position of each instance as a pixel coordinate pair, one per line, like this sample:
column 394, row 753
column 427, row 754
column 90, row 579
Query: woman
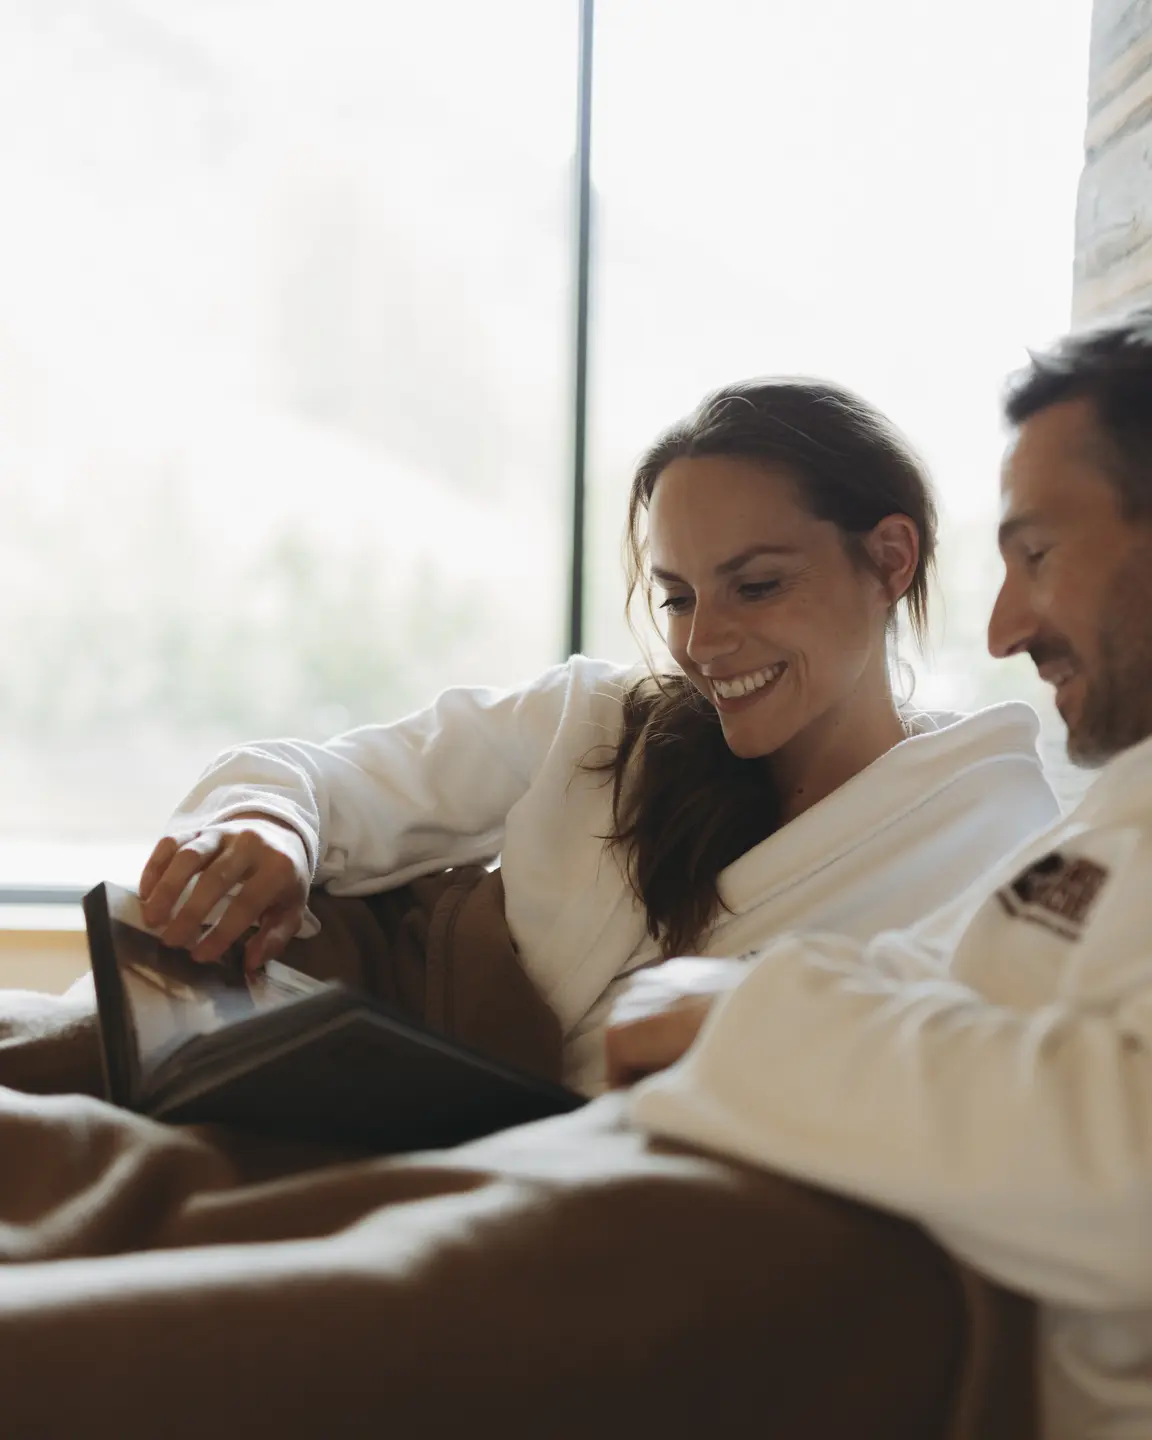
column 772, row 781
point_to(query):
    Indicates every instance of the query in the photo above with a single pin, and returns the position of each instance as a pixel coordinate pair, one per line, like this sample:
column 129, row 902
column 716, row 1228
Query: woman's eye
column 1033, row 558
column 757, row 589
column 675, row 604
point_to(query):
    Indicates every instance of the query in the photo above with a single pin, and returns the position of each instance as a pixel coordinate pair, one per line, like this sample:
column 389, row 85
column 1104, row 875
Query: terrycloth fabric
column 987, row 1073
column 568, row 1279
column 482, row 772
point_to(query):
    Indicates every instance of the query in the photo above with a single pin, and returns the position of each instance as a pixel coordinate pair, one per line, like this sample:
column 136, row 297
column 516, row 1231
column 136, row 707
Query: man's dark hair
column 1109, row 365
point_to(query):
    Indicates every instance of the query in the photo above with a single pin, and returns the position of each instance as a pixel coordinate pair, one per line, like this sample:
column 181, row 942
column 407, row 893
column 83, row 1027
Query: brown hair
column 684, row 807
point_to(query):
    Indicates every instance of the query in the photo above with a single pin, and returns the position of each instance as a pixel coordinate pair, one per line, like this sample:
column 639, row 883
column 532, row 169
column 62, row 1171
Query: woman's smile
column 741, row 692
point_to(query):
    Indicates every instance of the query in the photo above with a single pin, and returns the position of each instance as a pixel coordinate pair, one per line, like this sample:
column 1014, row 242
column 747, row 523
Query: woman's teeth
column 746, row 684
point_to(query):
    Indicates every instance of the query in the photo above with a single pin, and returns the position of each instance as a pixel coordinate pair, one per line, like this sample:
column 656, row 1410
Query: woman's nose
column 714, row 634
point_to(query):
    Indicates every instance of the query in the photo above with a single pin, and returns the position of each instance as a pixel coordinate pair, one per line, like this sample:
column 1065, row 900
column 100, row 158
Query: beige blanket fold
column 567, row 1279
column 440, row 950
column 50, row 1044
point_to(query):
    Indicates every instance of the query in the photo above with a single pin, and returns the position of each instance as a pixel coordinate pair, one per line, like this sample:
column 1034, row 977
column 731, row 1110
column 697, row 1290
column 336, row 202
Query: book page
column 172, row 999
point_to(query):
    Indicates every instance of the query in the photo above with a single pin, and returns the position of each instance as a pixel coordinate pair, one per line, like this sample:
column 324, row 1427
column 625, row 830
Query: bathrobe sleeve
column 988, row 1073
column 400, row 800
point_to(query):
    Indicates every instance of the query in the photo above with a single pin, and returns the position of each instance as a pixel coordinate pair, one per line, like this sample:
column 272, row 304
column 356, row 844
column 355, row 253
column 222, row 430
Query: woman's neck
column 827, row 753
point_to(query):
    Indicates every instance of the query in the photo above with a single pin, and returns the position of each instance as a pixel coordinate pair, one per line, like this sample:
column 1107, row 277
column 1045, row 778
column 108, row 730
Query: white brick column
column 1114, row 216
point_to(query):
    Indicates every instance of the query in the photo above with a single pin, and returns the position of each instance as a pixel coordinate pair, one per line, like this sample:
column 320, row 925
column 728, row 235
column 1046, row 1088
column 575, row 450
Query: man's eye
column 675, row 604
column 1033, row 558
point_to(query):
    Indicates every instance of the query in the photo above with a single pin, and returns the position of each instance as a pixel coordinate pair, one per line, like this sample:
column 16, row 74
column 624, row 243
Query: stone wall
column 1114, row 217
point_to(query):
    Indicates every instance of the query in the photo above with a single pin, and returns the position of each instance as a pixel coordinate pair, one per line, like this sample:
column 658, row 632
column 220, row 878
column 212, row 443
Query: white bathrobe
column 987, row 1072
column 482, row 772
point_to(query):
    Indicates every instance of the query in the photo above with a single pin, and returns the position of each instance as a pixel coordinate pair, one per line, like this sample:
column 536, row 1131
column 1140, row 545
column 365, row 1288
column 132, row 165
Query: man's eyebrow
column 1013, row 525
column 728, row 567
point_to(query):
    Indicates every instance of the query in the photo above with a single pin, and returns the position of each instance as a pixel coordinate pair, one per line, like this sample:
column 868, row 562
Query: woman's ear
column 893, row 546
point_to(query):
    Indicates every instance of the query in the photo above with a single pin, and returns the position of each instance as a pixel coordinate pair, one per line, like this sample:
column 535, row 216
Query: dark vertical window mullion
column 582, row 268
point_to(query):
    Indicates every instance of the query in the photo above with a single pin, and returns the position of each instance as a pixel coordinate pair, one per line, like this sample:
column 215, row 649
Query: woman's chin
column 749, row 741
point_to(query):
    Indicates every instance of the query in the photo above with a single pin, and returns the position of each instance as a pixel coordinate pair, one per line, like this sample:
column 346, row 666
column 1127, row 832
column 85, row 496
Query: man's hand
column 264, row 857
column 659, row 1014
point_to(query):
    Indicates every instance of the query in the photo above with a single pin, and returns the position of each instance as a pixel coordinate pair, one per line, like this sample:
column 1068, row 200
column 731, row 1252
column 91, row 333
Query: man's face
column 1077, row 591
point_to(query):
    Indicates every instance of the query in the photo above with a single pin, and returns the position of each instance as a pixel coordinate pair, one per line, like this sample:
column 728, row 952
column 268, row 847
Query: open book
column 279, row 1051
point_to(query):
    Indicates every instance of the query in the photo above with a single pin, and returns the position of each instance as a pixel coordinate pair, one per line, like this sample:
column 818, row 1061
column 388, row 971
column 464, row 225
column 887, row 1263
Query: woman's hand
column 659, row 1014
column 265, row 858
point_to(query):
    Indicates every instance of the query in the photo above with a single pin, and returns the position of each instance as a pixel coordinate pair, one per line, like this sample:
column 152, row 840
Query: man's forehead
column 1055, row 462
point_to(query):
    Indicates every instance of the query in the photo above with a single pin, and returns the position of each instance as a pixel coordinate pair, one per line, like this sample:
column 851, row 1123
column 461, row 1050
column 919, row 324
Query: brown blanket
column 571, row 1278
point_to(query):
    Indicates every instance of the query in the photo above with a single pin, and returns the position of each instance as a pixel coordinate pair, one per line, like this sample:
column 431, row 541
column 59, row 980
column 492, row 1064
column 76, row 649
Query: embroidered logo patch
column 1057, row 892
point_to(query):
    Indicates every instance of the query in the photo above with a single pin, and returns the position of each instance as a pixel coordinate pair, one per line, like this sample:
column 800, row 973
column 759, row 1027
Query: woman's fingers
column 278, row 927
column 155, row 866
column 272, row 883
column 183, row 863
column 229, row 867
column 263, row 861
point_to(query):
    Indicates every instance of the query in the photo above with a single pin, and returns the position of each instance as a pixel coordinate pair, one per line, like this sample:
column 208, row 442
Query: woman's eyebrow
column 728, row 567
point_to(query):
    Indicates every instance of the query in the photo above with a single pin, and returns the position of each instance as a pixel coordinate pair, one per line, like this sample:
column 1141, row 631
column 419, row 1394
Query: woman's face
column 766, row 613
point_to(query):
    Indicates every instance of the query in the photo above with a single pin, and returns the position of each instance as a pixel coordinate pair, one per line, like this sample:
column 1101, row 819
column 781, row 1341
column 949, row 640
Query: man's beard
column 1117, row 708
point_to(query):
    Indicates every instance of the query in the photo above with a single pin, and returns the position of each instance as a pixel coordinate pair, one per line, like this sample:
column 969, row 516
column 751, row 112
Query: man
column 989, row 1073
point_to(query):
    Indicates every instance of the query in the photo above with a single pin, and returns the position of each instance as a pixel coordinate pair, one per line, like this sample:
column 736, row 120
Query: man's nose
column 1012, row 623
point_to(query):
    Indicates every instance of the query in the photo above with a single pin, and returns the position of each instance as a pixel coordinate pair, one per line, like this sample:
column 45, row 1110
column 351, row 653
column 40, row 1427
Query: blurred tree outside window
column 284, row 331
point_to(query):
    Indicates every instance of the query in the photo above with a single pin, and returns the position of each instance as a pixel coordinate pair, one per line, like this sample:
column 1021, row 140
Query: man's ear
column 893, row 546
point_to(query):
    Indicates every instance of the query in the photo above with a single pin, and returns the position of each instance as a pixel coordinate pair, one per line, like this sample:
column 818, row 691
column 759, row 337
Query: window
column 283, row 374
column 285, row 343
column 883, row 194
